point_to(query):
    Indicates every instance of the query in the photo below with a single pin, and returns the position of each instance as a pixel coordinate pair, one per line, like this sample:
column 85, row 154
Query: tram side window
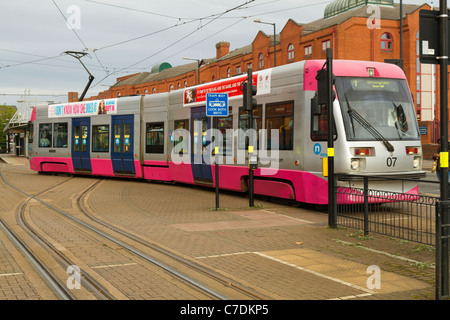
column 60, row 135
column 45, row 135
column 179, row 139
column 100, row 138
column 222, row 125
column 154, row 142
column 280, row 116
column 244, row 125
column 319, row 126
column 30, row 132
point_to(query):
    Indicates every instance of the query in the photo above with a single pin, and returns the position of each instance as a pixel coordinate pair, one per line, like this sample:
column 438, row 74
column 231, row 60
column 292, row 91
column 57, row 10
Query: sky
column 120, row 37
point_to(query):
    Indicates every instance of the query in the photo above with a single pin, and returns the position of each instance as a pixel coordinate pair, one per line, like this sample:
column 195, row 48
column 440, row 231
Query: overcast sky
column 123, row 37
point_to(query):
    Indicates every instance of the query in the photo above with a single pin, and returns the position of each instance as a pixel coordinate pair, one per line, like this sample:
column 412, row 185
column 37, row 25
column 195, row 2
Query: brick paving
column 282, row 251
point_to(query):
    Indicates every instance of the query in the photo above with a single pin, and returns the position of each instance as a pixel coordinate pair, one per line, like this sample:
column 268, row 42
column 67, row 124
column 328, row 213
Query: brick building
column 355, row 29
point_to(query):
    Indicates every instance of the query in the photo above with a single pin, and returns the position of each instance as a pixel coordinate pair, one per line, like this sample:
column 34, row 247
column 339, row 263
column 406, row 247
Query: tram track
column 247, row 292
column 60, row 287
column 57, row 286
column 93, row 285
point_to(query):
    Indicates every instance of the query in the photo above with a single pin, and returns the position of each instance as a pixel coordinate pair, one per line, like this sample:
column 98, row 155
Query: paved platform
column 287, row 251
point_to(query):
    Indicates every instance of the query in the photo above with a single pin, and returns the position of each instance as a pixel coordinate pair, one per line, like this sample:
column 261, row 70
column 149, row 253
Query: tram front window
column 385, row 104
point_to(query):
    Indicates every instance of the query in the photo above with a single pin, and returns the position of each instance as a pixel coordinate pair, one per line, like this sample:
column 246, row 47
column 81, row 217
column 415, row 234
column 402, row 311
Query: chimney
column 222, row 48
column 72, row 96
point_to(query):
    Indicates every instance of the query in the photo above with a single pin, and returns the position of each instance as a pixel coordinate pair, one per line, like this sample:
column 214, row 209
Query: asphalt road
column 431, row 186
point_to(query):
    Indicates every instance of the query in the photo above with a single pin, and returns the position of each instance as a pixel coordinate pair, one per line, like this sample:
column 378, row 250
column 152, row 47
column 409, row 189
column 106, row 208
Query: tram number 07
column 391, row 161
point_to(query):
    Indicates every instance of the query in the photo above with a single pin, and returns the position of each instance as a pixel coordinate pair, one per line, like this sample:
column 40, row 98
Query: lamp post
column 401, row 33
column 198, row 67
column 274, row 40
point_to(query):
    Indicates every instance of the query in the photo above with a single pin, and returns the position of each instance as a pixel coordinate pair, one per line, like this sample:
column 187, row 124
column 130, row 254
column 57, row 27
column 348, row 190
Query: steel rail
column 62, row 291
column 94, row 284
column 190, row 264
column 122, row 244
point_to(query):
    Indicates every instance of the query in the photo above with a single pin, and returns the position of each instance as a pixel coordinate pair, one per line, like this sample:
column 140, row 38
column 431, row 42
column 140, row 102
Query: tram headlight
column 354, row 164
column 416, row 162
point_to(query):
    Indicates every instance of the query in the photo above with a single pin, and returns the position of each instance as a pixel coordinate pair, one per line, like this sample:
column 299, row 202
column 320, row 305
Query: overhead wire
column 177, row 41
column 181, row 21
column 79, row 38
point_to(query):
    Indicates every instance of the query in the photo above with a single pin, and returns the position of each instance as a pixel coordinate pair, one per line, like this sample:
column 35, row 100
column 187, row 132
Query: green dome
column 339, row 6
column 160, row 67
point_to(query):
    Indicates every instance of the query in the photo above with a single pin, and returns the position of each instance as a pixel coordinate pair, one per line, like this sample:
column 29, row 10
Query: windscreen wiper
column 366, row 125
column 401, row 124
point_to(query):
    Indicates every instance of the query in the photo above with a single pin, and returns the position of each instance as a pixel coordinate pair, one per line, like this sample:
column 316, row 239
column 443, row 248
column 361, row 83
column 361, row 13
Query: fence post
column 438, row 251
column 442, row 264
column 366, row 206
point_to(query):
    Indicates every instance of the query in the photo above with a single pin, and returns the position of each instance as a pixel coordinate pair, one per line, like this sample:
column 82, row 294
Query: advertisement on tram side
column 83, row 108
column 231, row 86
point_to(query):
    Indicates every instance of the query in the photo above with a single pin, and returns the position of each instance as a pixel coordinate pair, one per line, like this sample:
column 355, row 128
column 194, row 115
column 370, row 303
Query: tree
column 6, row 113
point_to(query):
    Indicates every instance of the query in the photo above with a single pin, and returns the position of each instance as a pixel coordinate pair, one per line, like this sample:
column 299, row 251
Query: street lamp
column 274, row 40
column 198, row 67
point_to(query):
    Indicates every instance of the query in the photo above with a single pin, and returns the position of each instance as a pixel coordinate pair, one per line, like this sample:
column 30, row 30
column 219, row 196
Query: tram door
column 122, row 154
column 81, row 158
column 199, row 124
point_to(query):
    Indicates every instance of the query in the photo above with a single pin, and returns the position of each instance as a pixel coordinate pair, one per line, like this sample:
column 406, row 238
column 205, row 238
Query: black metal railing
column 420, row 218
column 405, row 216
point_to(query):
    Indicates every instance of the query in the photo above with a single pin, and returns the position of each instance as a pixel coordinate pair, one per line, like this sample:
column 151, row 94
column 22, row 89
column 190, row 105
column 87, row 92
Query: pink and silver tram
column 167, row 136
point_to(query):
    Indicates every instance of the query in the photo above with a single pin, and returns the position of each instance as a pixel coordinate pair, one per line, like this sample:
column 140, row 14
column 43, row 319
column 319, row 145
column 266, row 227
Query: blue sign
column 317, row 148
column 423, row 130
column 217, row 104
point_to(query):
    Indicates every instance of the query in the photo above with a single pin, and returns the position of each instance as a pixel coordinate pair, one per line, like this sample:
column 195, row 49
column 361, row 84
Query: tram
column 170, row 137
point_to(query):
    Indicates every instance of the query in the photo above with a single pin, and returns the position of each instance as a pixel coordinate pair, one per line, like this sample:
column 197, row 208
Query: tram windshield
column 377, row 109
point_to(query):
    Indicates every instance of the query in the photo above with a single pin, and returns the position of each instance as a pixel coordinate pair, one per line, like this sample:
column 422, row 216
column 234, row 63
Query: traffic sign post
column 433, row 49
column 216, row 106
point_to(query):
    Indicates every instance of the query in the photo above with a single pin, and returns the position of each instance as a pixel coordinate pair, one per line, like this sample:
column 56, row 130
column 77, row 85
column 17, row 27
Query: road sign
column 429, row 36
column 217, row 104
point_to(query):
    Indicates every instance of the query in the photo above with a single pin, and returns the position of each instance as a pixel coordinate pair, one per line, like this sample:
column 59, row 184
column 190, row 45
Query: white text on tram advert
column 229, row 309
column 264, row 144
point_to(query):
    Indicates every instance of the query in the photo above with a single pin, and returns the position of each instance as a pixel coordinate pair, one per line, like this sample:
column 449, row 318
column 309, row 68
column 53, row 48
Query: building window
column 171, row 87
column 100, row 138
column 326, row 44
column 154, row 90
column 426, row 88
column 154, row 137
column 238, row 70
column 45, row 135
column 185, row 84
column 280, row 116
column 308, row 51
column 60, row 135
column 118, row 94
column 146, row 91
column 228, row 72
column 387, row 42
column 261, row 61
column 290, row 52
